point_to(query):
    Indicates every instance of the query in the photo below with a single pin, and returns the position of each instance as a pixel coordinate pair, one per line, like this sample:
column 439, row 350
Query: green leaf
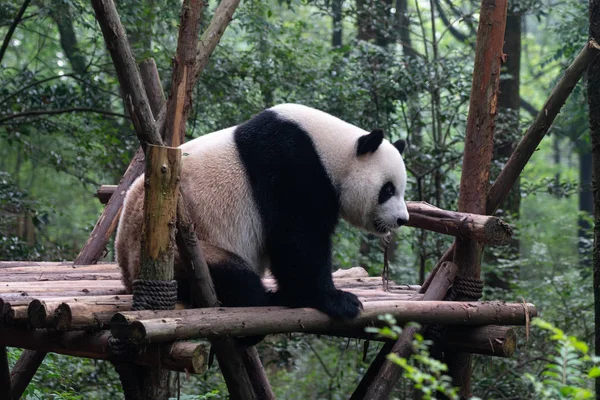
column 594, row 372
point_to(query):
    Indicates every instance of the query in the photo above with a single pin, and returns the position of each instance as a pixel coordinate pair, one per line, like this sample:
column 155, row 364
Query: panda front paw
column 340, row 305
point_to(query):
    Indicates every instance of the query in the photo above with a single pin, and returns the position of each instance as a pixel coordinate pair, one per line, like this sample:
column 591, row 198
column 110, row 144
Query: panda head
column 372, row 192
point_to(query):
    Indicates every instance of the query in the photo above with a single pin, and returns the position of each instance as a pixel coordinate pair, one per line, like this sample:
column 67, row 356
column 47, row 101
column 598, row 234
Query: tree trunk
column 336, row 13
column 505, row 140
column 586, row 205
column 593, row 93
column 477, row 158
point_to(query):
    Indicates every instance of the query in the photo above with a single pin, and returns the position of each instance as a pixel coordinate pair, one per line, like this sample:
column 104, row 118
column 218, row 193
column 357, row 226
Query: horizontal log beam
column 179, row 356
column 158, row 327
column 488, row 340
column 482, row 228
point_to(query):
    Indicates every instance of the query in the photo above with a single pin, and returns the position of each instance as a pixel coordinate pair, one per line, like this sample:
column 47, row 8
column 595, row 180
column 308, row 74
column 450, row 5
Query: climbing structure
column 81, row 308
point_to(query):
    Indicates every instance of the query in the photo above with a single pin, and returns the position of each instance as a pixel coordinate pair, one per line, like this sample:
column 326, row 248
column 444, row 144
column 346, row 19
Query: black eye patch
column 387, row 192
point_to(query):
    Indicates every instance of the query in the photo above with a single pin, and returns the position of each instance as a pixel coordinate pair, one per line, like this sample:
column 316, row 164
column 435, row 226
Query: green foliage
column 427, row 374
column 569, row 372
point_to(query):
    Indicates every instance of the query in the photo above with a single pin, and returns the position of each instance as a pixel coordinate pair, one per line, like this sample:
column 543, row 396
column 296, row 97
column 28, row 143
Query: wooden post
column 380, row 381
column 162, row 176
column 4, row 374
column 183, row 80
column 532, row 138
column 24, row 370
column 113, row 31
column 163, row 171
column 479, row 141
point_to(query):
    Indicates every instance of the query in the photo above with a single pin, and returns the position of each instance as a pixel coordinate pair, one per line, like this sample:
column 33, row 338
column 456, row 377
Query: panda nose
column 401, row 221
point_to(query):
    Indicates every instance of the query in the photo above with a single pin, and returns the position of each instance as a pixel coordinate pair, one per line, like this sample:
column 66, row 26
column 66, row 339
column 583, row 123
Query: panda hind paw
column 341, row 305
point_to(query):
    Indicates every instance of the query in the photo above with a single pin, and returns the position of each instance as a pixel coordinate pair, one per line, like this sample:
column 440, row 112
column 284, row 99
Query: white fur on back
column 219, row 201
column 222, row 205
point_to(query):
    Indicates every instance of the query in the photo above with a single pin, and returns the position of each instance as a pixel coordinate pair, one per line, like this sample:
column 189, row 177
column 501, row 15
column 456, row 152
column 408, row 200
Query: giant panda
column 268, row 194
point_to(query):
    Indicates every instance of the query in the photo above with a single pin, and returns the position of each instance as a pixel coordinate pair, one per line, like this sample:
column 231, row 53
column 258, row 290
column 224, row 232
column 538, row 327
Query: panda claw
column 341, row 305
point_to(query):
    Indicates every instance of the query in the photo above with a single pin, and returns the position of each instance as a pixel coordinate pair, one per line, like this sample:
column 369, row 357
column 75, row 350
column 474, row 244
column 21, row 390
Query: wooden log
column 152, row 86
column 381, row 377
column 104, row 193
column 482, row 228
column 128, row 74
column 183, row 78
column 163, row 171
column 540, row 126
column 16, row 264
column 41, row 315
column 491, row 340
column 270, row 320
column 178, row 356
column 5, row 388
column 213, row 33
column 534, row 135
column 24, row 370
column 95, row 315
column 479, row 142
column 75, row 276
column 17, row 316
column 488, row 340
column 84, row 315
column 54, row 268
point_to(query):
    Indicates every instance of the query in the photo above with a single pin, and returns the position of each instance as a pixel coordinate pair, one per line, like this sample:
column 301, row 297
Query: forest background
column 403, row 65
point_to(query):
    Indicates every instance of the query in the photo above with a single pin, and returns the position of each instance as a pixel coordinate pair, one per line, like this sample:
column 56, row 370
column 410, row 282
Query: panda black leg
column 236, row 284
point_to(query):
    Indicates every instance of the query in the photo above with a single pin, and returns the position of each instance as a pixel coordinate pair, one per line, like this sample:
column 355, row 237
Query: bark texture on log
column 491, row 340
column 153, row 86
column 24, row 370
column 163, row 172
column 482, row 228
column 540, row 126
column 212, row 35
column 128, row 74
column 383, row 381
column 179, row 356
column 5, row 389
column 527, row 146
column 183, row 79
column 261, row 321
column 593, row 93
column 479, row 143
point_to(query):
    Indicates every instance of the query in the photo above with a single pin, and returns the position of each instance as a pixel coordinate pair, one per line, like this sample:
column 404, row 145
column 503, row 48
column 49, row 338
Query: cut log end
column 37, row 313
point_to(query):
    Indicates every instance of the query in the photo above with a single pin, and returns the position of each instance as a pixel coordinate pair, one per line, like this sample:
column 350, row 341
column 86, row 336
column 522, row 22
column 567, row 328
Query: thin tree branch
column 32, row 85
column 12, row 28
column 61, row 111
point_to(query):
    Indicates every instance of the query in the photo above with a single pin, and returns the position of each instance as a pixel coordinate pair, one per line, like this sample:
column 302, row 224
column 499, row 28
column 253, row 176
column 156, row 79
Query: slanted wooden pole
column 24, row 370
column 5, row 390
column 381, row 379
column 479, row 142
column 534, row 135
column 112, row 32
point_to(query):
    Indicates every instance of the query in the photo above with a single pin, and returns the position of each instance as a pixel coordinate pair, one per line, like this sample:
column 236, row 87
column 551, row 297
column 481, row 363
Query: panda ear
column 400, row 145
column 369, row 143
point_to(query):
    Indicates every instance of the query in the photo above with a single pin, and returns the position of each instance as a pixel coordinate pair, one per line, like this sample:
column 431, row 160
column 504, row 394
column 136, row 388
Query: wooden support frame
column 479, row 144
column 165, row 326
column 533, row 137
column 380, row 378
column 113, row 33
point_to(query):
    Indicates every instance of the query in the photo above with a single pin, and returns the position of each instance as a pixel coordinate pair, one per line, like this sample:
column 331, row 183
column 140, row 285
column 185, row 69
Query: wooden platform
column 67, row 309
